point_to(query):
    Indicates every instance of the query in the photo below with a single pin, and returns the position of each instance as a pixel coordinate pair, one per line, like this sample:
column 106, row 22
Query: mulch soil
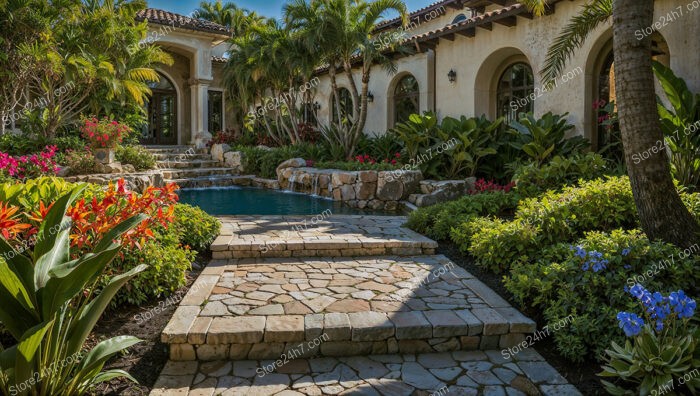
column 145, row 360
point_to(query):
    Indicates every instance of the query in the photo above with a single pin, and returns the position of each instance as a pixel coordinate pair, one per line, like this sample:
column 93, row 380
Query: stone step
column 176, row 150
column 213, row 181
column 181, row 157
column 455, row 373
column 323, row 235
column 187, row 173
column 260, row 308
column 188, row 164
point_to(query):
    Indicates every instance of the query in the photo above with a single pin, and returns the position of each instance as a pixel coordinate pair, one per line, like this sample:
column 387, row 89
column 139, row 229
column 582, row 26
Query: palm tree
column 662, row 213
column 229, row 15
column 269, row 64
column 341, row 32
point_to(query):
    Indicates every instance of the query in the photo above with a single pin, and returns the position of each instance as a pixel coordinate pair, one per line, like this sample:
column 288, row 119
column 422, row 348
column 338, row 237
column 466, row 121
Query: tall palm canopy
column 228, row 14
column 336, row 35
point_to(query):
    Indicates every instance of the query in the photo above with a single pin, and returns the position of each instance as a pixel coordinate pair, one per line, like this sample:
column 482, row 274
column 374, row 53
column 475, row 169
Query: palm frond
column 538, row 7
column 573, row 36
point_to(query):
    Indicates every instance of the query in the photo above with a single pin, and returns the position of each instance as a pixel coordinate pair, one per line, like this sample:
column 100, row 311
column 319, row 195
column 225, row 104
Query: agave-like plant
column 48, row 308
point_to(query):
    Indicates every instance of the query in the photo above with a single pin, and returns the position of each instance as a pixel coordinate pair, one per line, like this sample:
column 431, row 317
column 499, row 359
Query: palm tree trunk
column 661, row 211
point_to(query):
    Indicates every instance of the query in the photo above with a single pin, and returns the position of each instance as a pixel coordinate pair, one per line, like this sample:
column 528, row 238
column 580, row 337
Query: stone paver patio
column 411, row 323
column 455, row 373
column 317, row 236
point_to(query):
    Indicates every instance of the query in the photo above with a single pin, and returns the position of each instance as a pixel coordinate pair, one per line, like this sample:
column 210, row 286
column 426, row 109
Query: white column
column 200, row 113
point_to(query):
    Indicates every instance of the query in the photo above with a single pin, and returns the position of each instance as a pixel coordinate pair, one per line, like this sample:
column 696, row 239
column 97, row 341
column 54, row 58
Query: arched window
column 515, row 86
column 459, row 18
column 406, row 98
column 606, row 137
column 346, row 106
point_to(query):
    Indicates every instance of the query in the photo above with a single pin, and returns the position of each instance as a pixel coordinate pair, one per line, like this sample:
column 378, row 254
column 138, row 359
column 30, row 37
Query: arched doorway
column 162, row 113
column 406, row 98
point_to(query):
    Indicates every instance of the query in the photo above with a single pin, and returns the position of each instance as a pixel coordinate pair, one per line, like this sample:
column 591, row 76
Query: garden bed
column 145, row 360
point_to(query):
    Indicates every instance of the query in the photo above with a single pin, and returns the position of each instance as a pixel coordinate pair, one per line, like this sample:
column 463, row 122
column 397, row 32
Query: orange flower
column 9, row 224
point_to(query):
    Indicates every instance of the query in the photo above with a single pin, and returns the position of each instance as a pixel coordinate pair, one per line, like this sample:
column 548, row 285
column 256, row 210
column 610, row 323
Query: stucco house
column 472, row 57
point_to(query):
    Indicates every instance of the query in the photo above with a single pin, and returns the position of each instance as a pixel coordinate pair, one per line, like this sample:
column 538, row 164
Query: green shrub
column 556, row 284
column 463, row 232
column 498, row 245
column 167, row 264
column 21, row 144
column 137, row 156
column 559, row 172
column 437, row 221
column 81, row 162
column 601, row 205
column 195, row 228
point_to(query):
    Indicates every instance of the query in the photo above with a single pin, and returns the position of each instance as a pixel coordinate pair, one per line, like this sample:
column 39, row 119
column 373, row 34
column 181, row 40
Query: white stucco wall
column 480, row 61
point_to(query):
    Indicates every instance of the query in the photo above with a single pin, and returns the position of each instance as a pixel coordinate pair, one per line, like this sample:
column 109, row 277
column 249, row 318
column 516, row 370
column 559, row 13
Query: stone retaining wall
column 134, row 181
column 379, row 190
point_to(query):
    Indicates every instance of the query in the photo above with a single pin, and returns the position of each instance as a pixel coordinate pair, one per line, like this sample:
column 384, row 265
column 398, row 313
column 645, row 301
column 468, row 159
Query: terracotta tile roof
column 470, row 22
column 420, row 13
column 162, row 17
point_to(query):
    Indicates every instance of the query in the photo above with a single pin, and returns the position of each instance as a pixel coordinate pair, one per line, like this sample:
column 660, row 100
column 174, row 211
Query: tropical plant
column 664, row 348
column 661, row 211
column 49, row 309
column 228, row 14
column 416, row 134
column 681, row 126
column 474, row 141
column 73, row 69
column 542, row 138
column 269, row 66
column 340, row 34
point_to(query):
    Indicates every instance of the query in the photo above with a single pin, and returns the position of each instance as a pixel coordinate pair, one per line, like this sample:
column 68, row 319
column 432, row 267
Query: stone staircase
column 373, row 321
column 190, row 167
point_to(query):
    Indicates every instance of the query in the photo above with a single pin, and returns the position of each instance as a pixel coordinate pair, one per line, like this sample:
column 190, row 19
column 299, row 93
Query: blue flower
column 579, row 251
column 627, row 266
column 637, row 291
column 682, row 305
column 630, row 323
column 599, row 265
column 625, row 252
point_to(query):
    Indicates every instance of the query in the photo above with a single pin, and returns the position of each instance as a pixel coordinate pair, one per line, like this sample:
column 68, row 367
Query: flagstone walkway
column 389, row 325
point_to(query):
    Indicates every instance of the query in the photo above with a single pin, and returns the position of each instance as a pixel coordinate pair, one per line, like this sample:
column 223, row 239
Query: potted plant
column 103, row 137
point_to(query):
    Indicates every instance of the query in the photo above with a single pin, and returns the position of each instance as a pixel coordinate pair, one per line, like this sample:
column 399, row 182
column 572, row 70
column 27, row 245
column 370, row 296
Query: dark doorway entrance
column 162, row 114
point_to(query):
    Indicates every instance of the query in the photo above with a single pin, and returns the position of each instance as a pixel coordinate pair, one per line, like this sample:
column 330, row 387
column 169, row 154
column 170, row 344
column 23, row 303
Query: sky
column 268, row 8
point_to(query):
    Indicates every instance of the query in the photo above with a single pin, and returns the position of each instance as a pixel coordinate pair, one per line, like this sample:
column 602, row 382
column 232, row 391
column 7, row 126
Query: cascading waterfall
column 314, row 188
column 292, row 180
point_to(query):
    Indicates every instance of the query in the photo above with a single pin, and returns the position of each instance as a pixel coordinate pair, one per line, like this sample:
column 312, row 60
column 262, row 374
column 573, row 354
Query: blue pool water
column 258, row 201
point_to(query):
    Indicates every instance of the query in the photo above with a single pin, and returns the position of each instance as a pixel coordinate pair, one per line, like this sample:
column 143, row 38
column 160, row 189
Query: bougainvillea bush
column 28, row 166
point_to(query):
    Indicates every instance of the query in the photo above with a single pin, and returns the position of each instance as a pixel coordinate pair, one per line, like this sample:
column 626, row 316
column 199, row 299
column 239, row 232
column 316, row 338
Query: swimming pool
column 258, row 201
